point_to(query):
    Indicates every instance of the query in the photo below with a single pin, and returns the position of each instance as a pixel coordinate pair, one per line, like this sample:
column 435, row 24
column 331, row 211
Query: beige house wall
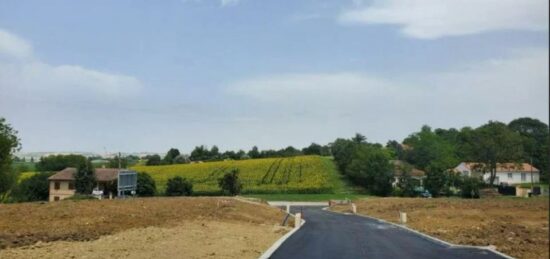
column 63, row 192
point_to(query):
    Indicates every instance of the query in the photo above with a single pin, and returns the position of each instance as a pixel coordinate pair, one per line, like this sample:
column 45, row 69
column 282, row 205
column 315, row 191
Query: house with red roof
column 62, row 183
column 506, row 173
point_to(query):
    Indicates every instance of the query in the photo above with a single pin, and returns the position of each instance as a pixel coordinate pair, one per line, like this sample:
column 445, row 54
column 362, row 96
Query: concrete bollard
column 297, row 220
column 353, row 208
column 287, row 208
column 403, row 217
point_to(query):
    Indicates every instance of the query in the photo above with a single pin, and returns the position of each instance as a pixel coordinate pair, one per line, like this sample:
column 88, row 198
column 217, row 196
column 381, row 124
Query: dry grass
column 516, row 226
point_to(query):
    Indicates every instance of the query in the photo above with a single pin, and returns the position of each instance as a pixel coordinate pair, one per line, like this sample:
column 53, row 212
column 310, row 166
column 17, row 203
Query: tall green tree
column 214, row 153
column 60, row 162
column 34, row 188
column 429, row 151
column 171, row 155
column 9, row 144
column 535, row 142
column 396, row 149
column 495, row 143
column 153, row 160
column 200, row 153
column 254, row 152
column 85, row 179
column 343, row 151
column 359, row 138
column 370, row 168
column 313, row 149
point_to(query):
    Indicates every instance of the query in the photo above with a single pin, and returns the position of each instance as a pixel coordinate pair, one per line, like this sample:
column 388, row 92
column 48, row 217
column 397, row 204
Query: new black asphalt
column 333, row 235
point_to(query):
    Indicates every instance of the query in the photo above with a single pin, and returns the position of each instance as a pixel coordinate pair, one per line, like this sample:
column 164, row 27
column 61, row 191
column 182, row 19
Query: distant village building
column 62, row 183
column 399, row 167
column 506, row 173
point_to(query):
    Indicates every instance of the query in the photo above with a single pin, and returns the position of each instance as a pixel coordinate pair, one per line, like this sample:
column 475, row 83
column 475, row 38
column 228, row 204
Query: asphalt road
column 331, row 235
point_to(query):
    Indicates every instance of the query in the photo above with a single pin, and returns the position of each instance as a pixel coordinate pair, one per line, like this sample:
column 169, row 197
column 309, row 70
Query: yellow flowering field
column 302, row 174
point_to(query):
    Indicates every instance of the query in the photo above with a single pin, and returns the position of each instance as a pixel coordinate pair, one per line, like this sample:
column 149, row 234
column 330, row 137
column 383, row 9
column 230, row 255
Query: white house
column 507, row 173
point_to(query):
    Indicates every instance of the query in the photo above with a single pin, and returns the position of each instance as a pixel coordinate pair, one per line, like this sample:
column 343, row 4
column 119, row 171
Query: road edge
column 279, row 242
column 424, row 235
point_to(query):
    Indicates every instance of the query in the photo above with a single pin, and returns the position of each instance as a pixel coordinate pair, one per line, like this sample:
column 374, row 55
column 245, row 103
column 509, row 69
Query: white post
column 403, row 217
column 288, row 208
column 297, row 220
column 353, row 208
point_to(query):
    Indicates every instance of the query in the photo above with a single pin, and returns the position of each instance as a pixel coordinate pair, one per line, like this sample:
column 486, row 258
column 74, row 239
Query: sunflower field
column 301, row 174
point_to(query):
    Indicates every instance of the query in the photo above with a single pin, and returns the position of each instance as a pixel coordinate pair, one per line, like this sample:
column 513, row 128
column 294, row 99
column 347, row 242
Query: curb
column 426, row 236
column 280, row 241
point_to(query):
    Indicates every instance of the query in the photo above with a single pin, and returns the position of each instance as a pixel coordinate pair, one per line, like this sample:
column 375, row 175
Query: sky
column 134, row 76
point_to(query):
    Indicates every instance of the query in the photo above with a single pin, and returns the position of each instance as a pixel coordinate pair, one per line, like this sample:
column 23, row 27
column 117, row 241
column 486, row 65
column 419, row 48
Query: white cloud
column 224, row 3
column 22, row 77
column 12, row 46
column 498, row 89
column 320, row 88
column 430, row 19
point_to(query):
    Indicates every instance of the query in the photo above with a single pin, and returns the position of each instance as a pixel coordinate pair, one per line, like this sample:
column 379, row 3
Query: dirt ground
column 192, row 239
column 139, row 228
column 516, row 226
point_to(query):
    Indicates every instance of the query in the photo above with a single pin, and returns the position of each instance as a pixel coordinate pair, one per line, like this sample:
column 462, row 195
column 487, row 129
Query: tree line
column 367, row 164
column 204, row 154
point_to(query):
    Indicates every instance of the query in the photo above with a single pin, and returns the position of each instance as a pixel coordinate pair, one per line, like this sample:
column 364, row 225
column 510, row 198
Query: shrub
column 436, row 181
column 230, row 182
column 406, row 184
column 397, row 192
column 470, row 188
column 34, row 188
column 179, row 186
column 78, row 197
column 145, row 185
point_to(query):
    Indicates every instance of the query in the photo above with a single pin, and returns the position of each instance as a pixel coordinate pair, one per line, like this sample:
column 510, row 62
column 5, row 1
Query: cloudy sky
column 149, row 75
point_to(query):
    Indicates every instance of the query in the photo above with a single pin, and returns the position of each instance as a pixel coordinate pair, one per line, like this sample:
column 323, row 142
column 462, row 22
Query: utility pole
column 119, row 166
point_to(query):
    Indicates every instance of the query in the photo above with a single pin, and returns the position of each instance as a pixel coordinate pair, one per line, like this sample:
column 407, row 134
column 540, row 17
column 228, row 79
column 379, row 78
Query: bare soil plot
column 516, row 226
column 196, row 227
column 190, row 239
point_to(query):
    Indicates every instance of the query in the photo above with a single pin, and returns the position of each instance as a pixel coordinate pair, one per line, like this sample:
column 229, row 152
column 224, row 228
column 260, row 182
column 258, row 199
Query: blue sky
column 149, row 75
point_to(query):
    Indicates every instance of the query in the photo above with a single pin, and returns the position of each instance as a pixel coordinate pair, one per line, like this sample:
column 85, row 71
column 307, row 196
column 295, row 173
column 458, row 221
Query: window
column 71, row 185
column 56, row 198
column 509, row 175
column 57, row 186
column 523, row 177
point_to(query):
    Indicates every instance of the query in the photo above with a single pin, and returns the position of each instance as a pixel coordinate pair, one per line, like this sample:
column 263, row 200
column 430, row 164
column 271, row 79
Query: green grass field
column 293, row 175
